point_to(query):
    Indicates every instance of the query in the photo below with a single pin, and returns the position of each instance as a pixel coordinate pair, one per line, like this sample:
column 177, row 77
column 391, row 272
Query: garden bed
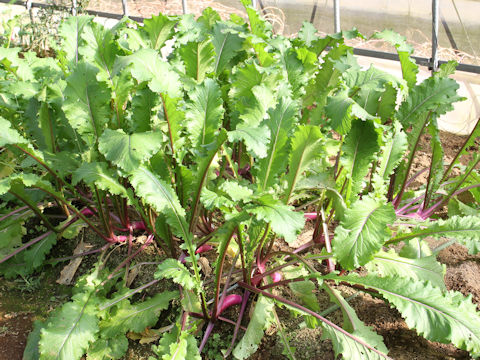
column 24, row 301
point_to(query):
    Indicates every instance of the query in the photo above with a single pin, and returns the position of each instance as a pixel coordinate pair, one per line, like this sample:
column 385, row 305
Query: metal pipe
column 184, row 7
column 254, row 4
column 336, row 16
column 74, row 7
column 435, row 13
column 125, row 8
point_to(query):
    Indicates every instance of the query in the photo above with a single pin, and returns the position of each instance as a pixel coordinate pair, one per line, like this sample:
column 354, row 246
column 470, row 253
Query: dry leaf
column 68, row 272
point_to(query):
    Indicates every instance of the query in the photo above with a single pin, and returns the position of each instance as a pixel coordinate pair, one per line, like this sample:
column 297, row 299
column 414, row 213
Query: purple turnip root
column 276, row 276
column 203, row 248
column 310, row 216
column 230, row 300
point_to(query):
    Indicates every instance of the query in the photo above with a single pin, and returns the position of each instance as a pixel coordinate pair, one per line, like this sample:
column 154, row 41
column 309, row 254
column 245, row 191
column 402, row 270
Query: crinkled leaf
column 136, row 317
column 359, row 150
column 306, row 146
column 70, row 331
column 342, row 109
column 98, row 174
column 9, row 136
column 418, row 269
column 198, row 58
column 162, row 198
column 446, row 317
column 433, row 94
column 204, row 113
column 283, row 220
column 362, row 232
column 261, row 319
column 71, row 32
column 280, row 124
column 111, row 348
column 87, row 102
column 159, row 28
column 466, row 230
column 173, row 269
column 226, row 43
column 147, row 65
column 404, row 50
column 129, row 151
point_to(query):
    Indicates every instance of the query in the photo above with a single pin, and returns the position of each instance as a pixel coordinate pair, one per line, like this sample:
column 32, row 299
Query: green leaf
column 261, row 319
column 31, row 351
column 35, row 255
column 359, row 150
column 11, row 232
column 98, row 174
column 418, row 269
column 283, row 220
column 159, row 28
column 136, row 317
column 147, row 65
column 307, row 33
column 236, row 192
column 387, row 103
column 198, row 58
column 144, row 103
column 173, row 269
column 404, row 50
column 162, row 198
column 226, row 43
column 204, row 113
column 71, row 32
column 177, row 346
column 87, row 102
column 70, row 331
column 129, row 151
column 307, row 145
column 396, row 145
column 280, row 124
column 435, row 174
column 466, row 230
column 354, row 325
column 341, row 109
column 446, row 317
column 9, row 136
column 106, row 349
column 362, row 232
column 433, row 94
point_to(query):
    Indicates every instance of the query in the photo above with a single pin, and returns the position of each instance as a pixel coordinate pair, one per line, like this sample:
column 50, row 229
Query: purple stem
column 397, row 200
column 14, row 212
column 28, row 244
column 106, row 246
column 314, row 314
column 208, row 331
column 430, row 211
column 246, row 295
column 404, row 208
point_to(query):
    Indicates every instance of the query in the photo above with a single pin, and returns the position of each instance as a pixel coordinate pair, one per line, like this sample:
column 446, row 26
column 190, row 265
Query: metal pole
column 435, row 13
column 74, row 7
column 184, row 6
column 125, row 8
column 254, row 4
column 336, row 15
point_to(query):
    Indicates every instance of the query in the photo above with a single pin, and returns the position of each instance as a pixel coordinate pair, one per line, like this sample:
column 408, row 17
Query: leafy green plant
column 209, row 135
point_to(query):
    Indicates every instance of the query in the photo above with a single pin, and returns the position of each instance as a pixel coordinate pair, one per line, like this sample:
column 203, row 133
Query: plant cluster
column 211, row 138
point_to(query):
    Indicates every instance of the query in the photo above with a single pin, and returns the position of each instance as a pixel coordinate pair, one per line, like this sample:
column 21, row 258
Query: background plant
column 209, row 135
